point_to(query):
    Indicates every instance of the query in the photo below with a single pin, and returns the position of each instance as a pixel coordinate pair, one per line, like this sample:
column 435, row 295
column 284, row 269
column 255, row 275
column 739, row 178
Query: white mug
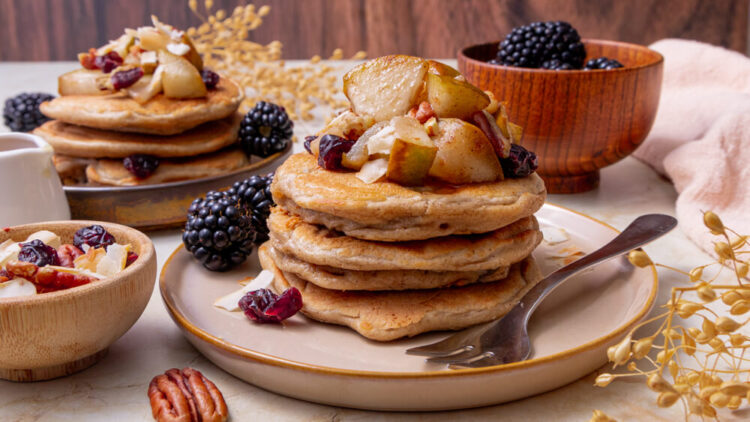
column 30, row 189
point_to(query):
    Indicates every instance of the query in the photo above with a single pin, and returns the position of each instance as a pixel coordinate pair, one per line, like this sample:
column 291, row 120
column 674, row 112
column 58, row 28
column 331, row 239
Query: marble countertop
column 115, row 388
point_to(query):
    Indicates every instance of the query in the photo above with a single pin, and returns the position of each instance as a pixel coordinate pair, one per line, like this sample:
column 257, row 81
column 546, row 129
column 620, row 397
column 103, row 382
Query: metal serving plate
column 160, row 206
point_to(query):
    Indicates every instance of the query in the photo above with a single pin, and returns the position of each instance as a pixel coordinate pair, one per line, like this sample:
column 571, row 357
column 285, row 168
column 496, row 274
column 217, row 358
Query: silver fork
column 506, row 340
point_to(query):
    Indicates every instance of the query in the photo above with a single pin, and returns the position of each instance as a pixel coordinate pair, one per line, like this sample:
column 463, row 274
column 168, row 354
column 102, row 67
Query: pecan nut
column 186, row 396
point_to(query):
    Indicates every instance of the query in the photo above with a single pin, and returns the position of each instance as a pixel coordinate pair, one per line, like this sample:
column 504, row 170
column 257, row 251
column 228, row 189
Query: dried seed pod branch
column 704, row 368
column 222, row 40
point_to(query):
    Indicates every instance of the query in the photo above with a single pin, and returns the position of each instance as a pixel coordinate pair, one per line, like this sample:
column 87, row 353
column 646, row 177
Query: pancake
column 390, row 212
column 385, row 316
column 159, row 116
column 341, row 279
column 113, row 172
column 72, row 170
column 480, row 252
column 81, row 141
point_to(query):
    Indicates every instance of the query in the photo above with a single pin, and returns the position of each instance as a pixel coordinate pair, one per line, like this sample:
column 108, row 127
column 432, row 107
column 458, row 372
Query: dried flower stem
column 222, row 39
column 722, row 375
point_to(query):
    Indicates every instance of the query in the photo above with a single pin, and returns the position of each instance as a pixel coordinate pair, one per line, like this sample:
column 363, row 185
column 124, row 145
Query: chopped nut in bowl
column 68, row 289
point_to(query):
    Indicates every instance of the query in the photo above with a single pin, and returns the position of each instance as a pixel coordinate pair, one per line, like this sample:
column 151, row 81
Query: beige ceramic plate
column 333, row 365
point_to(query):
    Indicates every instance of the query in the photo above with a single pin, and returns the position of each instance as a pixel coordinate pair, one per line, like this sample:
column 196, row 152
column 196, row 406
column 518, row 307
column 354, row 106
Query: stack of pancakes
column 391, row 261
column 192, row 138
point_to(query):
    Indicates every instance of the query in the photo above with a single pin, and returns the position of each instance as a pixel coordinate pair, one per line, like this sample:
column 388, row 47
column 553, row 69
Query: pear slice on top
column 386, row 87
column 181, row 79
column 464, row 155
column 451, row 97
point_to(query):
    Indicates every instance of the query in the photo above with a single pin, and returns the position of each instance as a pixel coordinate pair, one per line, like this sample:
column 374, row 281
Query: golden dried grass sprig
column 704, row 368
column 222, row 40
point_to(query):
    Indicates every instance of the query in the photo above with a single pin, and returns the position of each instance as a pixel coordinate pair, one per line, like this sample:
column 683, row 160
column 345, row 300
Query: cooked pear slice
column 181, row 79
column 385, row 87
column 492, row 131
column 409, row 163
column 192, row 55
column 509, row 129
column 359, row 154
column 450, row 97
column 147, row 87
column 442, row 69
column 464, row 155
column 121, row 46
column 80, row 82
column 412, row 153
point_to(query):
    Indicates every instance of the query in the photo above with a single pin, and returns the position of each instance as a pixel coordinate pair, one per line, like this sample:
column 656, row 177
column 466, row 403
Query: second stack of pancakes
column 390, row 261
column 191, row 138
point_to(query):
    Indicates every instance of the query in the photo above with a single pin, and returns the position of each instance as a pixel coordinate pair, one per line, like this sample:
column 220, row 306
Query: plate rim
column 263, row 358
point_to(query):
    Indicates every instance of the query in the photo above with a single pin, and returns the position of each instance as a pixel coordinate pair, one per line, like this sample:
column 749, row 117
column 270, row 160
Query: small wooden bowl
column 55, row 334
column 576, row 121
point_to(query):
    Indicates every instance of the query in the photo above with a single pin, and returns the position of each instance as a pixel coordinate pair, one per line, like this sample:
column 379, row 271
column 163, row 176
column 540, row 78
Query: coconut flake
column 372, row 171
column 178, row 49
column 231, row 301
column 17, row 287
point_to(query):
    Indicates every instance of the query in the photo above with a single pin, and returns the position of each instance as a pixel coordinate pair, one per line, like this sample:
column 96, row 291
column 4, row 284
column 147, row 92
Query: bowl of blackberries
column 583, row 103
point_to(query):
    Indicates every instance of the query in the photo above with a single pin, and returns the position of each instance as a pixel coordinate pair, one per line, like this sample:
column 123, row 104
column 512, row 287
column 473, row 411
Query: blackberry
column 537, row 43
column 520, row 163
column 602, row 63
column 265, row 130
column 21, row 113
column 255, row 195
column 556, row 65
column 219, row 231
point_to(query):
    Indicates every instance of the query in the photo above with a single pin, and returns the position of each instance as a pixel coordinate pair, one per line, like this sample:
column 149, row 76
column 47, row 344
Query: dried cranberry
column 265, row 306
column 38, row 253
column 132, row 256
column 108, row 62
column 125, row 78
column 520, row 163
column 68, row 254
column 141, row 165
column 95, row 236
column 308, row 141
column 210, row 78
column 331, row 151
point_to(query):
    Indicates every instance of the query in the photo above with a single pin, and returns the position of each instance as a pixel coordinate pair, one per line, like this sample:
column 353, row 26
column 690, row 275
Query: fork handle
column 642, row 230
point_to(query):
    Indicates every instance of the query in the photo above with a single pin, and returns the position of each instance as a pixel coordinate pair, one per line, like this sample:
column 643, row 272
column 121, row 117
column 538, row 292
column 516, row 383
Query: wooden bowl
column 576, row 121
column 55, row 334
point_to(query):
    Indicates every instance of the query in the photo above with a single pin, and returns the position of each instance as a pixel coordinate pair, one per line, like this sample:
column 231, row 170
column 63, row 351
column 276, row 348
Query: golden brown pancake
column 72, row 170
column 390, row 212
column 385, row 316
column 81, row 141
column 159, row 116
column 341, row 279
column 113, row 172
column 480, row 252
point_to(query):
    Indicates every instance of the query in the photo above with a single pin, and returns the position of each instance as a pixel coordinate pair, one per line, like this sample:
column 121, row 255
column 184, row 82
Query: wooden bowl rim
column 658, row 59
column 146, row 256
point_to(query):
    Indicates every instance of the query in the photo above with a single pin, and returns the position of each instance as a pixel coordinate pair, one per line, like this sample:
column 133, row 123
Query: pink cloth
column 701, row 135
